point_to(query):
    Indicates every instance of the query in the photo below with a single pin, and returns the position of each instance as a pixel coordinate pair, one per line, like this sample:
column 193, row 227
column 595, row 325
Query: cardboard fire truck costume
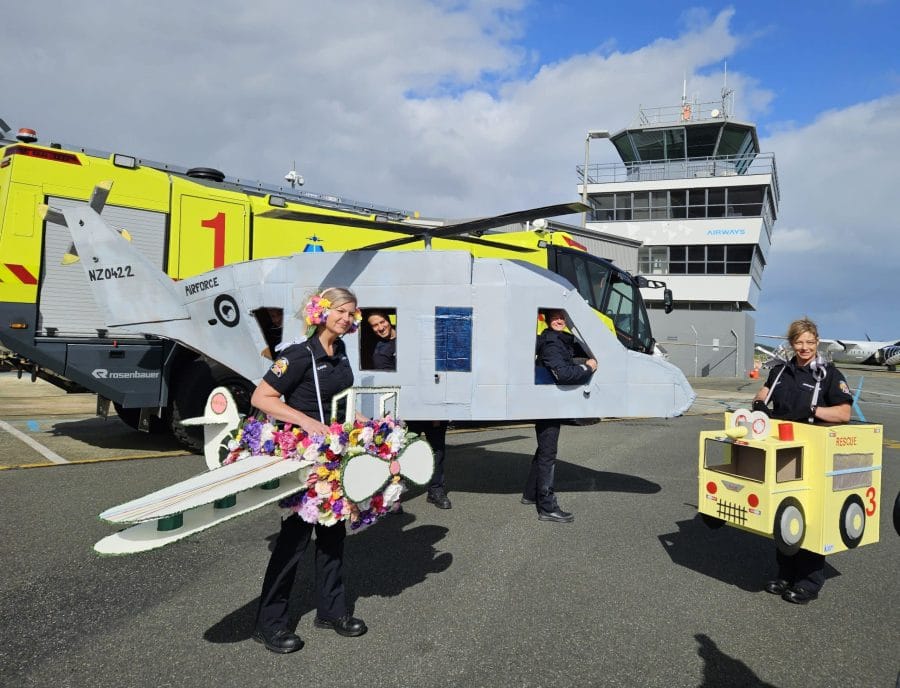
column 812, row 487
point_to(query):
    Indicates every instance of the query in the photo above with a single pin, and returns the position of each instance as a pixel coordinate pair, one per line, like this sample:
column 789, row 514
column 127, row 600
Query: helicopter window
column 378, row 339
column 452, row 339
column 271, row 323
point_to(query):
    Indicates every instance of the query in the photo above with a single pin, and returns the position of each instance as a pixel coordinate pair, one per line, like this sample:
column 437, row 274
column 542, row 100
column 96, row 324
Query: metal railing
column 682, row 168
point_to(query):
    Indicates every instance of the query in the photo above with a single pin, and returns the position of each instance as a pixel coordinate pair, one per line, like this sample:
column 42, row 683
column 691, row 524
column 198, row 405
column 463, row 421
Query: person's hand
column 313, row 427
column 760, row 405
column 591, row 363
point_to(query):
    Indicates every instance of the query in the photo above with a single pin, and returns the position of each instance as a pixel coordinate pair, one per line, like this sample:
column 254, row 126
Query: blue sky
column 462, row 108
column 813, row 56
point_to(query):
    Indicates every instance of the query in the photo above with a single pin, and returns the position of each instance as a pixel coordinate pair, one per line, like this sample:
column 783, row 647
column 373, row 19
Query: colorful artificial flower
column 322, row 500
column 317, row 309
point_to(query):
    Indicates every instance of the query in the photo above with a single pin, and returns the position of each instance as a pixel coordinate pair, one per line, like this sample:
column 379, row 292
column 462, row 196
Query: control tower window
column 623, row 206
column 697, row 203
column 604, row 208
column 659, row 202
column 641, row 205
column 715, row 202
column 745, row 201
column 712, row 259
column 678, row 200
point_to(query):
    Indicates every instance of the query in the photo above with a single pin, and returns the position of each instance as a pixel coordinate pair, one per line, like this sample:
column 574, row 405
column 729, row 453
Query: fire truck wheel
column 132, row 416
column 196, row 379
column 897, row 514
column 853, row 521
column 711, row 521
column 790, row 526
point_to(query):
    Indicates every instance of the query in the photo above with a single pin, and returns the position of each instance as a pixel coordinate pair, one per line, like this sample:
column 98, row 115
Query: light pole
column 592, row 134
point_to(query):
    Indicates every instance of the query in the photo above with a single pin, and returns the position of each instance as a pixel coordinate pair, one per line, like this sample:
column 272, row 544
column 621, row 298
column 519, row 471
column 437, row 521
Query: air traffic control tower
column 695, row 189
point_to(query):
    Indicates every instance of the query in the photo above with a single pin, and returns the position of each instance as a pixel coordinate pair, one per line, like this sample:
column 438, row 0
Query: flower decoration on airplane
column 324, row 459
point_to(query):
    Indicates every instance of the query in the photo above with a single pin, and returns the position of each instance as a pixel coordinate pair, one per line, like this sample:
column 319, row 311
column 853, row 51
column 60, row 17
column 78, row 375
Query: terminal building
column 696, row 192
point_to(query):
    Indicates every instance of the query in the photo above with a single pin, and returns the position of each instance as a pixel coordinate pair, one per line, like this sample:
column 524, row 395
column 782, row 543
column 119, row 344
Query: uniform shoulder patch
column 844, row 388
column 280, row 366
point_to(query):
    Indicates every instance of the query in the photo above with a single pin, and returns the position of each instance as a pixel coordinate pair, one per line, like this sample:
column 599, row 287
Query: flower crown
column 317, row 309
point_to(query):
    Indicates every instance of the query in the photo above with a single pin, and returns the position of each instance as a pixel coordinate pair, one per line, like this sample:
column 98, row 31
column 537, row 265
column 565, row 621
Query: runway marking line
column 51, row 456
column 74, row 462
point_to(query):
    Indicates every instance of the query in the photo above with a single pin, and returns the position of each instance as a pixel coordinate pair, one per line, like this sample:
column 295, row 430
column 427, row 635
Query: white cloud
column 835, row 247
column 435, row 106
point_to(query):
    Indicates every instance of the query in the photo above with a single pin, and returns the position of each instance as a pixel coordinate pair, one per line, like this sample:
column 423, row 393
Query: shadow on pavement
column 721, row 670
column 471, row 468
column 729, row 555
column 381, row 561
column 112, row 433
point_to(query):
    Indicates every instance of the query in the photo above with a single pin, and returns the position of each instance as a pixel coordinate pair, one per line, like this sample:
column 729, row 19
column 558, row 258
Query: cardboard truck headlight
column 812, row 487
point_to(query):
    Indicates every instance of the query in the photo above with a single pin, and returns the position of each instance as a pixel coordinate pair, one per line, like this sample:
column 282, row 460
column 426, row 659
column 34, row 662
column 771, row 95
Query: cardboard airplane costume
column 278, row 464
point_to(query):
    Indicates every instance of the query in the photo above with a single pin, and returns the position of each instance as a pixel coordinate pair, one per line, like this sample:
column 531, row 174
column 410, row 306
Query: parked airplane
column 864, row 352
column 467, row 325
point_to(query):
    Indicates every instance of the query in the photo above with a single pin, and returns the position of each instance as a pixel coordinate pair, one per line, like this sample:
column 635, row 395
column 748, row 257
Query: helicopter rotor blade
column 467, row 239
column 359, row 222
column 479, row 225
column 514, row 217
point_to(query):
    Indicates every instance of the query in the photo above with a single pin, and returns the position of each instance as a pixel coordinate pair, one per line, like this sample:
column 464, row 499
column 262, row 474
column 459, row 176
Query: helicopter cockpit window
column 271, row 324
column 378, row 339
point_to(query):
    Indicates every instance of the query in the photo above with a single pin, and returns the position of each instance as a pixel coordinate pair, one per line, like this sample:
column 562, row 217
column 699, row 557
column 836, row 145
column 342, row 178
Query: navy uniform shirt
column 792, row 395
column 292, row 375
column 556, row 351
column 384, row 357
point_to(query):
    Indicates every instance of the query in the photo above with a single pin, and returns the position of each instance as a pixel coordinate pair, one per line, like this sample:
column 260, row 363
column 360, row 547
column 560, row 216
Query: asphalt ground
column 636, row 592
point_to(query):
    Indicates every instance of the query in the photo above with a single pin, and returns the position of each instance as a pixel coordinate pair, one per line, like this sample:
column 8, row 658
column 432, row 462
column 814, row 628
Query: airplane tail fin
column 126, row 285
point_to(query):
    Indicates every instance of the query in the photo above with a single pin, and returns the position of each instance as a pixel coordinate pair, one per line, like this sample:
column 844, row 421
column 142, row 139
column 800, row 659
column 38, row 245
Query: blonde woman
column 298, row 389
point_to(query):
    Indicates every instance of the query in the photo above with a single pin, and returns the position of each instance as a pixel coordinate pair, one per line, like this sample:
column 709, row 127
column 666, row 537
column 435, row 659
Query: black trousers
column 539, row 485
column 282, row 569
column 804, row 569
column 435, row 432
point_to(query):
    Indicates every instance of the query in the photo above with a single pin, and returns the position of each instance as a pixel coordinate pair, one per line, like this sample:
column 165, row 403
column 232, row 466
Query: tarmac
column 635, row 592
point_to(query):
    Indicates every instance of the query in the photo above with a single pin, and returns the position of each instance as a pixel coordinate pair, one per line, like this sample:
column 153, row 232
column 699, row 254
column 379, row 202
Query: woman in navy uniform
column 307, row 375
column 557, row 351
column 384, row 357
column 806, row 389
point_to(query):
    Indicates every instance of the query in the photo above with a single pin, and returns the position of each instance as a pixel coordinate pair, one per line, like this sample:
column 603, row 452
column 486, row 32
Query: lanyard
column 818, row 368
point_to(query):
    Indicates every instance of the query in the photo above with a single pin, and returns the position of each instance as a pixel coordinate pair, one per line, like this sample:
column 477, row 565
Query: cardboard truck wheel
column 853, row 521
column 790, row 526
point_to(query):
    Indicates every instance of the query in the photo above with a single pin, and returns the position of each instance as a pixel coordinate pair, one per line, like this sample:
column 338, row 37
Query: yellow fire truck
column 189, row 221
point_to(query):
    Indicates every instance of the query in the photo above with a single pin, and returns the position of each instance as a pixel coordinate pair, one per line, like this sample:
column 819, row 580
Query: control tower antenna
column 727, row 93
